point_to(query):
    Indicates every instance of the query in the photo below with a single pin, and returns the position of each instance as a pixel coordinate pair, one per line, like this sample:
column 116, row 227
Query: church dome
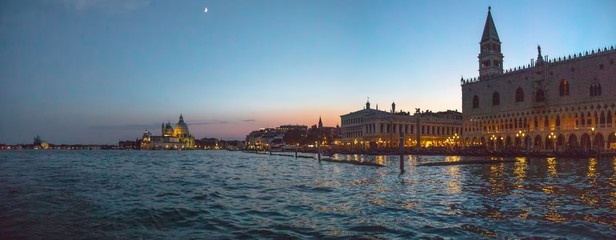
column 181, row 129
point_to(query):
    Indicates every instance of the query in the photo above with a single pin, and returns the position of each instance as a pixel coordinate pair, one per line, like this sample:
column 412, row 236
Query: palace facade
column 558, row 104
column 177, row 138
column 374, row 128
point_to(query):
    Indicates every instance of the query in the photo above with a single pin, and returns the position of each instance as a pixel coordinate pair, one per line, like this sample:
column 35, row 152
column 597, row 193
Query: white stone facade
column 373, row 128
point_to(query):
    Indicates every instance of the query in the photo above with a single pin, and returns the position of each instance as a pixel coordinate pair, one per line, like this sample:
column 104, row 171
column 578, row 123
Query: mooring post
column 319, row 152
column 526, row 140
column 401, row 152
column 270, row 149
column 417, row 123
column 320, row 126
column 296, row 146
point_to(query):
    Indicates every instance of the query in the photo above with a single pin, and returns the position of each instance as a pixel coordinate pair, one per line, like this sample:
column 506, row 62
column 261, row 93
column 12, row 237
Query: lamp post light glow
column 552, row 138
column 455, row 139
column 493, row 140
column 592, row 135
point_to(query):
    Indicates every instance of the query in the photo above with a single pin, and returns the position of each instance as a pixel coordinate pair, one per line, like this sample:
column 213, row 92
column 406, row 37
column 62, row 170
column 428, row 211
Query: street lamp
column 493, row 140
column 592, row 136
column 455, row 139
column 521, row 135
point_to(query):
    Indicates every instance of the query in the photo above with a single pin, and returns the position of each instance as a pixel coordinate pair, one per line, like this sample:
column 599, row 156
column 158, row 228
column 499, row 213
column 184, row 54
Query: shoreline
column 455, row 152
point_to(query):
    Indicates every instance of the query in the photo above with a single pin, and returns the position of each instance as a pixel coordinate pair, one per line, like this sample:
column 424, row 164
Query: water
column 222, row 195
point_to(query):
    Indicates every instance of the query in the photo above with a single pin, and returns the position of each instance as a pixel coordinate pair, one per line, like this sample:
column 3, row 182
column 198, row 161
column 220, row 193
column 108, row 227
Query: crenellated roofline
column 559, row 60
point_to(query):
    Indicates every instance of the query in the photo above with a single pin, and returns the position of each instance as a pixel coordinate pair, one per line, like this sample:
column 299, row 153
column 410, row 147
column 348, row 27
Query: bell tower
column 490, row 56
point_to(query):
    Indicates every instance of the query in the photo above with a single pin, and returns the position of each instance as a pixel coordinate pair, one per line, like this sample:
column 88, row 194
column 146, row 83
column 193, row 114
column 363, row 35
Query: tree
column 313, row 135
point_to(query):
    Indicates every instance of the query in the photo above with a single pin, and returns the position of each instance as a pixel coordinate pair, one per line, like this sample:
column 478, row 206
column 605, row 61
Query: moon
column 205, row 10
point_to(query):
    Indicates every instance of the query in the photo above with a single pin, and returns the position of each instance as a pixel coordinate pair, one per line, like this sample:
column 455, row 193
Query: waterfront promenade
column 446, row 151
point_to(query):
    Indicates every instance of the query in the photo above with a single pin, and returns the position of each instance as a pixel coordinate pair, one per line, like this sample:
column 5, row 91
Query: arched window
column 540, row 96
column 557, row 121
column 609, row 118
column 602, row 118
column 595, row 89
column 520, row 123
column 564, row 88
column 519, row 95
column 495, row 99
column 589, row 119
column 592, row 90
column 475, row 102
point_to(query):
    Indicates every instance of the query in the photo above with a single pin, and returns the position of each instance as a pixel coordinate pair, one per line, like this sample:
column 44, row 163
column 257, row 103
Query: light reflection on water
column 520, row 172
column 192, row 194
column 592, row 163
column 552, row 167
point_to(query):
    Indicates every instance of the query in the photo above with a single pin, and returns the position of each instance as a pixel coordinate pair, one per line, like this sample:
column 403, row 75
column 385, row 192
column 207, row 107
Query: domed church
column 177, row 138
column 181, row 129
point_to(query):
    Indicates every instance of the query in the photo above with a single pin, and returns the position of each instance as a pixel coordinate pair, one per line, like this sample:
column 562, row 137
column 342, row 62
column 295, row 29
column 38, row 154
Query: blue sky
column 97, row 71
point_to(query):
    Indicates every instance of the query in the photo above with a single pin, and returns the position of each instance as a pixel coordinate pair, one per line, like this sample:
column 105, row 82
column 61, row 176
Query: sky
column 100, row 71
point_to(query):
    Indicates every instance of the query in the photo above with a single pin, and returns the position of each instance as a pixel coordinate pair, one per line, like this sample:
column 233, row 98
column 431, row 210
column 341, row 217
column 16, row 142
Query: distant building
column 171, row 138
column 373, row 128
column 292, row 127
column 129, row 144
column 557, row 104
column 208, row 143
column 324, row 135
column 267, row 138
column 289, row 136
column 39, row 144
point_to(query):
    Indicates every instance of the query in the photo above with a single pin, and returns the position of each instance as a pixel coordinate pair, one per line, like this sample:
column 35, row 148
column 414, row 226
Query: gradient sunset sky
column 99, row 71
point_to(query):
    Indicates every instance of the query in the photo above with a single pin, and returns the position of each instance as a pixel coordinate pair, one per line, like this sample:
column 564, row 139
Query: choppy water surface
column 218, row 194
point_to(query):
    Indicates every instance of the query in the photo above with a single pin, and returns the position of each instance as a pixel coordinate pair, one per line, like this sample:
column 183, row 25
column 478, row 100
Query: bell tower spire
column 490, row 56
